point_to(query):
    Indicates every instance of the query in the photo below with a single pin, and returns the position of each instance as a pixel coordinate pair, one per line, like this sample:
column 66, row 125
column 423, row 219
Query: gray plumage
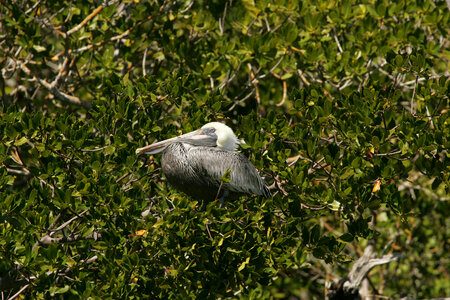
column 197, row 170
column 196, row 162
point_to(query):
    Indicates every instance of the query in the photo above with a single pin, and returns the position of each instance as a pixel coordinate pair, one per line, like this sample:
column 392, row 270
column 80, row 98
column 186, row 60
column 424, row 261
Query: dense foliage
column 343, row 106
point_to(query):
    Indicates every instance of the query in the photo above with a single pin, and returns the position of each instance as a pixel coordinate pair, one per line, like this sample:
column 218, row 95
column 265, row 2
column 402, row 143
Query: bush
column 343, row 106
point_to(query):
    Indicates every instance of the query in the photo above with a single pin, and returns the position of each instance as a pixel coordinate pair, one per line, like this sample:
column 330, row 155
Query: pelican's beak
column 197, row 138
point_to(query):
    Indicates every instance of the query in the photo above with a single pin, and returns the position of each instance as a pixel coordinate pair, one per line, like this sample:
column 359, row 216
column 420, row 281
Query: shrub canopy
column 343, row 106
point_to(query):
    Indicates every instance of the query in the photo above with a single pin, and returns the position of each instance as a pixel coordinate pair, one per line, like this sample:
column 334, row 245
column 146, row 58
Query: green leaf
column 39, row 48
column 242, row 266
column 21, row 141
column 346, row 238
column 226, row 177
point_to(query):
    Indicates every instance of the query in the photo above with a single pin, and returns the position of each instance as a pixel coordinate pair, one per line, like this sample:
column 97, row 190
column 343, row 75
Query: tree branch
column 347, row 287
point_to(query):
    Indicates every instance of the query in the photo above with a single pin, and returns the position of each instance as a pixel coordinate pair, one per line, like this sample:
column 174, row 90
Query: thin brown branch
column 209, row 232
column 47, row 240
column 222, row 20
column 87, row 19
column 413, row 94
column 218, row 191
column 242, row 100
column 19, row 292
column 388, row 153
column 94, row 150
column 302, row 77
column 144, row 73
column 52, row 89
column 255, row 85
column 51, row 231
column 64, row 225
column 283, row 99
column 48, row 184
column 122, row 177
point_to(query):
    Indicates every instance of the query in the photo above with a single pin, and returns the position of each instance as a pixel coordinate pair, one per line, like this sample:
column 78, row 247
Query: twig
column 47, row 240
column 300, row 74
column 87, row 19
column 229, row 79
column 51, row 231
column 255, row 85
column 218, row 191
column 64, row 225
column 281, row 24
column 279, row 184
column 50, row 185
column 429, row 116
column 388, row 153
column 284, row 94
column 242, row 100
column 188, row 7
column 122, row 177
column 346, row 84
column 413, row 94
column 25, row 172
column 209, row 233
column 267, row 23
column 251, row 24
column 364, row 264
column 222, row 20
column 311, row 207
column 271, row 69
column 33, row 7
column 144, row 72
column 19, row 292
column 50, row 228
column 94, row 150
column 338, row 44
column 53, row 90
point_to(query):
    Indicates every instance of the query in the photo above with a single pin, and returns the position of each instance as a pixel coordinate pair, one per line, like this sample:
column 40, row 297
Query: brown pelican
column 197, row 162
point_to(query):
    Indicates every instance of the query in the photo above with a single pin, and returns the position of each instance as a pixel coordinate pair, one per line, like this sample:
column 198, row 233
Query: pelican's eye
column 210, row 131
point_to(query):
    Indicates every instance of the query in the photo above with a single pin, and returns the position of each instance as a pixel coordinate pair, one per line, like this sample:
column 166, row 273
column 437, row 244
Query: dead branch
column 347, row 287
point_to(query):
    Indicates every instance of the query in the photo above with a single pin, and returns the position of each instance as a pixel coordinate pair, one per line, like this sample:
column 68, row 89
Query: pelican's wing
column 213, row 163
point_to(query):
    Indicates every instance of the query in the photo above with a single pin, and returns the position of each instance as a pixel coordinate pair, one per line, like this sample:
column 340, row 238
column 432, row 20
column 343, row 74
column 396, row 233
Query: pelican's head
column 213, row 134
column 226, row 139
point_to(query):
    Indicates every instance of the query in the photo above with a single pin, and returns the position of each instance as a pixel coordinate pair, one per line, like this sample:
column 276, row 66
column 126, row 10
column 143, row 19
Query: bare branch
column 302, row 77
column 144, row 61
column 47, row 239
column 338, row 44
column 222, row 20
column 87, row 19
column 413, row 94
column 19, row 292
column 283, row 99
column 51, row 88
column 347, row 288
column 254, row 81
column 94, row 150
column 364, row 264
